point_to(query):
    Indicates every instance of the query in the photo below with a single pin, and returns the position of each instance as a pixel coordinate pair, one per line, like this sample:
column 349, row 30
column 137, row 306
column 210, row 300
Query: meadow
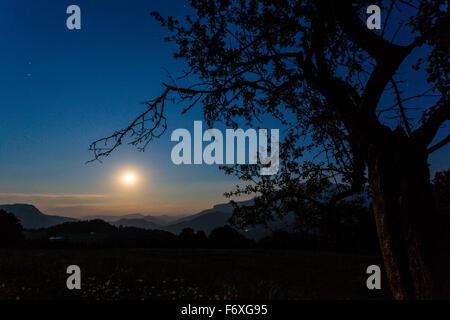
column 189, row 274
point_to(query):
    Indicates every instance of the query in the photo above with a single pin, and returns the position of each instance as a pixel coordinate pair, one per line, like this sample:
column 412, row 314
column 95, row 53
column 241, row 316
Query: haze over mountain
column 218, row 216
column 223, row 207
column 161, row 220
column 206, row 220
column 138, row 223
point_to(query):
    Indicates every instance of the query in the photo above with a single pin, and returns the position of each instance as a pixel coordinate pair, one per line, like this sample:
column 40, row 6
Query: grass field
column 187, row 274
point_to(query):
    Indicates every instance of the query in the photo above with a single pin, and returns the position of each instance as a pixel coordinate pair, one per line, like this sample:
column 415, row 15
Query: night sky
column 62, row 89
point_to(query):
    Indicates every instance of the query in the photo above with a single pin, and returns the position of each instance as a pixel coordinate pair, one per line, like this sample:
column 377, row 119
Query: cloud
column 51, row 196
column 72, row 204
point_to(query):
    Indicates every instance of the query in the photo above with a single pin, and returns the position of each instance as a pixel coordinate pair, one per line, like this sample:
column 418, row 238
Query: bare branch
column 425, row 134
column 439, row 145
column 143, row 134
column 375, row 45
column 400, row 106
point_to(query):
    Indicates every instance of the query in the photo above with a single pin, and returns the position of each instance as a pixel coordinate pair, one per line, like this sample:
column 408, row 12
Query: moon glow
column 129, row 178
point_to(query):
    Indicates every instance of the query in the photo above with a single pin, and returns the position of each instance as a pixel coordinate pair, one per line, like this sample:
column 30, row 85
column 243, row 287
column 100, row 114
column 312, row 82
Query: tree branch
column 369, row 41
column 142, row 134
column 388, row 56
column 439, row 145
column 425, row 134
column 400, row 106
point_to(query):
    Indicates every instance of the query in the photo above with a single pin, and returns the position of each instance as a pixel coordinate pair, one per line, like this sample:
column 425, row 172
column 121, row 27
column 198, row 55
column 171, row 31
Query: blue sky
column 62, row 89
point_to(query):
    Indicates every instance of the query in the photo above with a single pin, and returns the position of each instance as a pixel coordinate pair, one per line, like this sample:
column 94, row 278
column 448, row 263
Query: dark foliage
column 96, row 225
column 10, row 230
column 139, row 238
column 191, row 239
column 441, row 188
column 227, row 237
column 354, row 233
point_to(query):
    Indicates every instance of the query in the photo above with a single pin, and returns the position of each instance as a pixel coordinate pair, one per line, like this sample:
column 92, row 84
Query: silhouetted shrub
column 187, row 237
column 10, row 230
column 227, row 237
column 141, row 238
column 97, row 225
column 201, row 239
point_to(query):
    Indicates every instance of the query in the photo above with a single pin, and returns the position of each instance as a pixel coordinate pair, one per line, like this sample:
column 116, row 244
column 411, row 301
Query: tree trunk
column 412, row 234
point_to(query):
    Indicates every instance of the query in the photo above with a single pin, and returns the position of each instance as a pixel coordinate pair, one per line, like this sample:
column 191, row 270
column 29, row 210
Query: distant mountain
column 218, row 216
column 223, row 207
column 161, row 220
column 31, row 218
column 138, row 223
column 206, row 222
column 165, row 219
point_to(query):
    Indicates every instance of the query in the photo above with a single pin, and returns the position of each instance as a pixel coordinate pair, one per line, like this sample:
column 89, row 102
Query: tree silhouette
column 441, row 187
column 315, row 67
column 10, row 229
column 227, row 237
column 189, row 238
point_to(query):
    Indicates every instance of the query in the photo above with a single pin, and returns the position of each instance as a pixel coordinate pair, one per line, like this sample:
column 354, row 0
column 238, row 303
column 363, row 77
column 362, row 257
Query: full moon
column 129, row 178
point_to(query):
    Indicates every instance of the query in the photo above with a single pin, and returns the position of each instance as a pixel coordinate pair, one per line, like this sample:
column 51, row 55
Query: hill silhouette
column 31, row 218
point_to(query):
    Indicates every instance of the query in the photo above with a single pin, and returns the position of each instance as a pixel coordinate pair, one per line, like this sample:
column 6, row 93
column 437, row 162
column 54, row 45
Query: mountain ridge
column 206, row 220
column 161, row 220
column 32, row 218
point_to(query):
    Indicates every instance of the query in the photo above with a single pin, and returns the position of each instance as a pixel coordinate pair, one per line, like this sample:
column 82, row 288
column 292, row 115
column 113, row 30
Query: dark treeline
column 98, row 233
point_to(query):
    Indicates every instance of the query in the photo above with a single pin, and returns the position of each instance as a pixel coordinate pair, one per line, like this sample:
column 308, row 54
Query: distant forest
column 98, row 233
